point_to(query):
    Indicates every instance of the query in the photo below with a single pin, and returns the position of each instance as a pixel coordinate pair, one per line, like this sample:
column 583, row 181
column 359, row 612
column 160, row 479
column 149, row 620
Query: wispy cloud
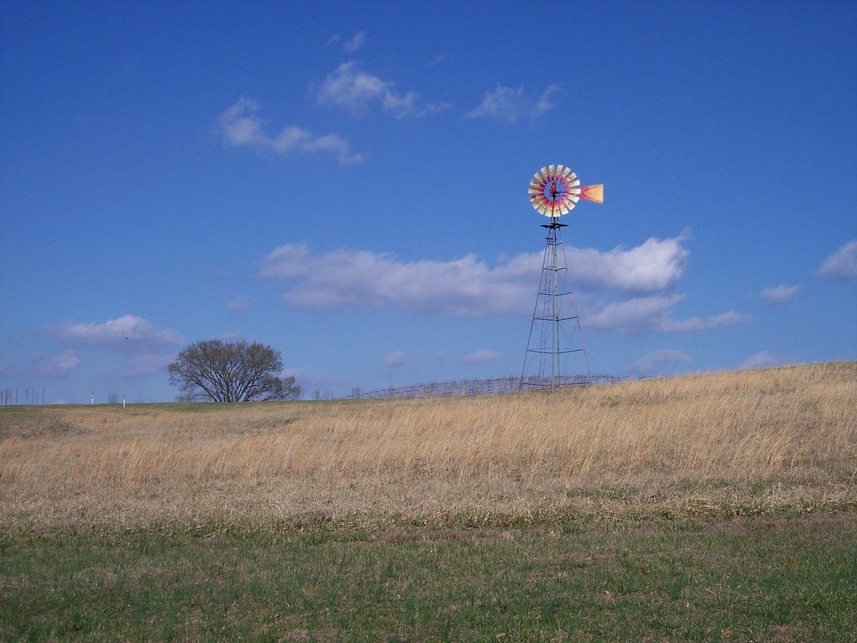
column 53, row 366
column 126, row 333
column 779, row 295
column 355, row 43
column 544, row 104
column 469, row 286
column 351, row 45
column 509, row 104
column 665, row 323
column 239, row 303
column 654, row 313
column 350, row 89
column 396, row 359
column 842, row 264
column 240, row 126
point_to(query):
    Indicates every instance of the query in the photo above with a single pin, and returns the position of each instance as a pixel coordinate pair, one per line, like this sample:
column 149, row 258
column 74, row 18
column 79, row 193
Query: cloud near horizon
column 240, row 126
column 634, row 284
column 658, row 362
column 53, row 366
column 763, row 359
column 654, row 313
column 481, row 357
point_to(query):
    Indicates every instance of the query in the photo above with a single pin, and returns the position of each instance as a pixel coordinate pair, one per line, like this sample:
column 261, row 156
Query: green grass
column 750, row 578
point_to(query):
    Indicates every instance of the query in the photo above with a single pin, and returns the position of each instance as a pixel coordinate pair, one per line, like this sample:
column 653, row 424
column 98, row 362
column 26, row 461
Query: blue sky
column 346, row 182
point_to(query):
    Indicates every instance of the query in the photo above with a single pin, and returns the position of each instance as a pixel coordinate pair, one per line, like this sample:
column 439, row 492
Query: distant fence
column 494, row 386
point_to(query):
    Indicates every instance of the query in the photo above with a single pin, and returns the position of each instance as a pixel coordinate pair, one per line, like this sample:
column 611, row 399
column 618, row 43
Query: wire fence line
column 492, row 386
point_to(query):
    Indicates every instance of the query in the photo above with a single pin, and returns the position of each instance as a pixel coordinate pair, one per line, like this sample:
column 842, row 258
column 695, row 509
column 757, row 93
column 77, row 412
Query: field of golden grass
column 730, row 443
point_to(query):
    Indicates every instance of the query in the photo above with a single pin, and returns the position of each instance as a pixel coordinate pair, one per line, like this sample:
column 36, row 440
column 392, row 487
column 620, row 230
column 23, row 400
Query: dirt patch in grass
column 745, row 525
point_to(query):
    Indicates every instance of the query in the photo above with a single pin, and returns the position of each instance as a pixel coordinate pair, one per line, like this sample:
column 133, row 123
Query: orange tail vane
column 593, row 193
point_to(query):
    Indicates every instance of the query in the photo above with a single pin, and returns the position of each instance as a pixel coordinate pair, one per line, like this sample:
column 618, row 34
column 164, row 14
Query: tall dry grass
column 762, row 440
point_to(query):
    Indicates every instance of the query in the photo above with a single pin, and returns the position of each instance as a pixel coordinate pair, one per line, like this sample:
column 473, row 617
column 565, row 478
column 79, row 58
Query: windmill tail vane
column 593, row 193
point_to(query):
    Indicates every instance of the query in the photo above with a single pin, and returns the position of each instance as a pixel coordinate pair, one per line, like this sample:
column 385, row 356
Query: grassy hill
column 748, row 442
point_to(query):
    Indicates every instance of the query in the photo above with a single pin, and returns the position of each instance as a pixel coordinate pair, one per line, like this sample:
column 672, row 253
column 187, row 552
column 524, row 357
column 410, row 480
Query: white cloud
column 125, row 333
column 240, row 126
column 842, row 264
column 781, row 294
column 653, row 266
column 658, row 361
column 654, row 314
column 469, row 286
column 501, row 103
column 353, row 90
column 762, row 360
column 509, row 104
column 639, row 313
column 54, row 365
column 482, row 357
column 466, row 286
column 666, row 324
column 239, row 303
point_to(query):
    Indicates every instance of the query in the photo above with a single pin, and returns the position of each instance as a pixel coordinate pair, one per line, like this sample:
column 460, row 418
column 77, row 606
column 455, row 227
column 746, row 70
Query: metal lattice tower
column 556, row 339
column 555, row 347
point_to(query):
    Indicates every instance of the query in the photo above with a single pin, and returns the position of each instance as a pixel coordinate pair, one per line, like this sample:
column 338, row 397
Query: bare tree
column 219, row 371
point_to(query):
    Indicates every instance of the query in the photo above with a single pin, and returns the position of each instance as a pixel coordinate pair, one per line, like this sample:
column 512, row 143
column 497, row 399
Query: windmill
column 555, row 334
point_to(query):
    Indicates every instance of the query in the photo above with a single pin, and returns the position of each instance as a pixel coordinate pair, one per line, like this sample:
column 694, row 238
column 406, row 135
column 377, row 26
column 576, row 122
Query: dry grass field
column 719, row 444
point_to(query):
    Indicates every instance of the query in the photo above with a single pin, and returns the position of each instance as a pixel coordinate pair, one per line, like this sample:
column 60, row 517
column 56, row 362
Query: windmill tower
column 555, row 335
